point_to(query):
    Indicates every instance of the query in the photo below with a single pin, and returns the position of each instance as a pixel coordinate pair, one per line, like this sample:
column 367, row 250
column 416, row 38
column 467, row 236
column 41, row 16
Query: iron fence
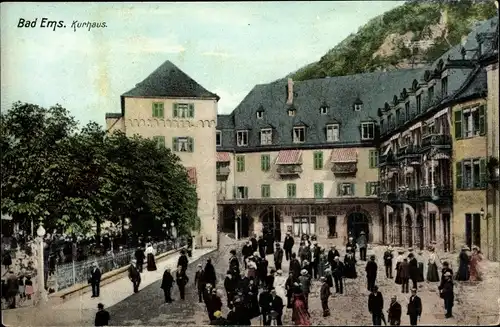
column 69, row 274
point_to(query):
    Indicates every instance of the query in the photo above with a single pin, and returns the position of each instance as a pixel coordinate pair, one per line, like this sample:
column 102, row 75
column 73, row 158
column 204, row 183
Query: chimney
column 289, row 100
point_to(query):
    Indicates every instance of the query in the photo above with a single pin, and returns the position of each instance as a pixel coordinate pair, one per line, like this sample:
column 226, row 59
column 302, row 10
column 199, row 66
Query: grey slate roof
column 338, row 93
column 169, row 81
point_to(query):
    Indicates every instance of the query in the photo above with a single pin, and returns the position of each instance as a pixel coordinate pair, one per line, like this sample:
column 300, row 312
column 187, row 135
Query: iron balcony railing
column 436, row 140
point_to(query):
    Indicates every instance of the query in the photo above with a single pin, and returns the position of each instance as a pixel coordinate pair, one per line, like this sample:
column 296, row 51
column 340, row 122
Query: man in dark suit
column 95, row 279
column 394, row 312
column 288, row 245
column 414, row 307
column 413, row 267
column 101, row 317
column 134, row 275
column 139, row 257
column 376, row 306
column 276, row 306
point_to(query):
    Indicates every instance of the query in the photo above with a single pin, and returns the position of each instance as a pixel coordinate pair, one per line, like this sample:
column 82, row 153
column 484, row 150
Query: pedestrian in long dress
column 262, row 246
column 399, row 261
column 166, row 285
column 414, row 307
column 300, row 312
column 294, row 266
column 420, row 265
column 476, row 258
column 350, row 265
column 210, row 276
column 181, row 279
column 150, row 257
column 376, row 306
column 463, row 268
column 432, row 268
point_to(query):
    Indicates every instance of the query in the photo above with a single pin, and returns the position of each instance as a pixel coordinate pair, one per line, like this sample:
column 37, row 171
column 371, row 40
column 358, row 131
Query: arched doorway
column 358, row 222
column 420, row 232
column 409, row 230
column 271, row 223
column 399, row 230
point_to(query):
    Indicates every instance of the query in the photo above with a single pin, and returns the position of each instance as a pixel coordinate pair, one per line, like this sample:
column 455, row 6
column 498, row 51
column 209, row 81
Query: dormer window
column 367, row 131
column 323, row 110
column 260, row 114
column 266, row 136
column 299, row 134
column 291, row 112
column 444, row 86
column 242, row 138
column 332, row 133
column 218, row 138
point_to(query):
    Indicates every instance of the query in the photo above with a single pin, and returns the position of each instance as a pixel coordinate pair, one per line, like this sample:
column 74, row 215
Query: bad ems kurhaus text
column 59, row 24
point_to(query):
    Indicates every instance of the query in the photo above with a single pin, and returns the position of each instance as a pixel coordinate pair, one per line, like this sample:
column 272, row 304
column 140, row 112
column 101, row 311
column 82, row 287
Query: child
column 28, row 287
column 21, row 287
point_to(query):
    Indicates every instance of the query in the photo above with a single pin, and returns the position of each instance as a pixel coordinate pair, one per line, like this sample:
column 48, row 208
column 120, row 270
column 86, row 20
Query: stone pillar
column 388, row 229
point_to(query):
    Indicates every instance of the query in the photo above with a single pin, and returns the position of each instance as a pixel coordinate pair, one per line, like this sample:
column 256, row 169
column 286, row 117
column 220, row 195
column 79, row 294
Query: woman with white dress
column 432, row 268
column 150, row 255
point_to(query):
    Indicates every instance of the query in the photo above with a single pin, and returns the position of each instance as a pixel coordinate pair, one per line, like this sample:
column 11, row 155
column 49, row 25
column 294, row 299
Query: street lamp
column 41, row 278
column 483, row 216
column 238, row 216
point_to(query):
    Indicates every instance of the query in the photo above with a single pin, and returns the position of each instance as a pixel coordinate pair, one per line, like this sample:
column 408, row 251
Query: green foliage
column 71, row 179
column 355, row 54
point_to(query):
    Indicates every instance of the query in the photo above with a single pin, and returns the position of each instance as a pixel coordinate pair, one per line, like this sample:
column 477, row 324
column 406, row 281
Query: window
column 183, row 110
column 398, row 116
column 265, row 191
column 158, row 110
column 358, row 107
column 260, row 114
column 373, row 158
column 160, row 141
column 419, row 104
column 318, row 190
column 240, row 163
column 444, row 86
column 367, row 131
column 318, row 160
column 332, row 226
column 323, row 110
column 345, row 189
column 407, row 111
column 431, row 92
column 218, row 138
column 266, row 136
column 291, row 190
column 371, row 188
column 265, row 162
column 470, row 122
column 432, row 226
column 332, row 133
column 304, row 225
column 242, row 138
column 241, row 192
column 291, row 112
column 471, row 174
column 473, row 229
column 183, row 144
column 299, row 134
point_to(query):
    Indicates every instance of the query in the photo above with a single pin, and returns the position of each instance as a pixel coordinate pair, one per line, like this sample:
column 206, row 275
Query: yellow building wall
column 466, row 201
column 493, row 209
column 138, row 120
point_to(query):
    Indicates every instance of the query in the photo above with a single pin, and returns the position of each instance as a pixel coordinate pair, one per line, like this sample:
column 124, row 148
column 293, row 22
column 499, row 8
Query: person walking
column 376, row 306
column 324, row 296
column 362, row 244
column 199, row 281
column 102, row 316
column 388, row 256
column 150, row 257
column 288, row 245
column 414, row 272
column 338, row 274
column 134, row 275
column 166, row 285
column 139, row 257
column 95, row 280
column 414, row 307
column 432, row 268
column 276, row 307
column 183, row 260
column 447, row 294
column 371, row 273
column 394, row 312
column 404, row 275
column 278, row 257
column 182, row 279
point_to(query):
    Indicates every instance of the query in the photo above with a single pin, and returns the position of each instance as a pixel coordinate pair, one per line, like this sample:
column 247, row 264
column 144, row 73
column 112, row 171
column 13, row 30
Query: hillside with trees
column 411, row 35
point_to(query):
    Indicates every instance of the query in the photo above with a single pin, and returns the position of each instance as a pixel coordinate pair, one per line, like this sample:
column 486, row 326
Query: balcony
column 442, row 141
column 411, row 152
column 387, row 160
column 289, row 170
column 441, row 193
column 222, row 173
column 347, row 168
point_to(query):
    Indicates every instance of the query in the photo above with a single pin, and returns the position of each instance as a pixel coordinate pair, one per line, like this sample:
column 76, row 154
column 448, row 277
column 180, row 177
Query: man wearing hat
column 199, row 281
column 134, row 275
column 167, row 282
column 278, row 257
column 288, row 245
column 371, row 273
column 338, row 273
column 305, row 284
column 388, row 256
column 362, row 244
column 376, row 306
column 102, row 316
column 95, row 279
column 246, row 251
column 276, row 307
column 414, row 307
column 446, row 293
column 413, row 267
column 324, row 295
column 394, row 312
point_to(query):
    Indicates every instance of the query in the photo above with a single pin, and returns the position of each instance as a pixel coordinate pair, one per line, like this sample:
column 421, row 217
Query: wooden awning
column 192, row 174
column 223, row 157
column 288, row 157
column 344, row 155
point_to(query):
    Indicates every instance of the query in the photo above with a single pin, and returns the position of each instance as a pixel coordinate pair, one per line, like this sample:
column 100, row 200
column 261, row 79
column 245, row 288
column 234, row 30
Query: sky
column 228, row 48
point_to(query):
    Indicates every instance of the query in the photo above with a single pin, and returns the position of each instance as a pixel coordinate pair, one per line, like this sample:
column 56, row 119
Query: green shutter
column 482, row 120
column 175, row 146
column 235, row 191
column 353, row 190
column 191, row 110
column 245, row 192
column 265, row 162
column 263, row 191
column 240, row 163
column 367, row 188
column 482, row 172
column 175, row 112
column 153, row 110
column 458, row 175
column 159, row 107
column 190, row 144
column 339, row 188
column 318, row 190
column 318, row 160
column 457, row 115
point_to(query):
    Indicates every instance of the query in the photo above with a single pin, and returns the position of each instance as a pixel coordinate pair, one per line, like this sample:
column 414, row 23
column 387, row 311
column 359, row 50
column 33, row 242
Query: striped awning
column 441, row 156
column 223, row 157
column 288, row 157
column 344, row 155
column 192, row 174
